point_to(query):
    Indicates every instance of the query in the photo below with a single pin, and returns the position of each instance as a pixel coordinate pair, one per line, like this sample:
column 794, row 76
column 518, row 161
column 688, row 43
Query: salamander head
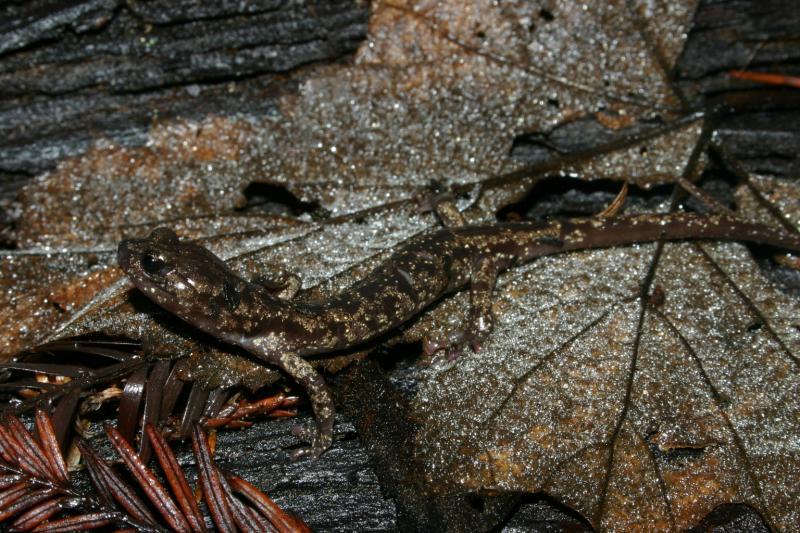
column 187, row 280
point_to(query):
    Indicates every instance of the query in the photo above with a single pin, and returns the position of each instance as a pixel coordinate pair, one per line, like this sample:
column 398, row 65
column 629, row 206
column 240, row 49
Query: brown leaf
column 636, row 415
column 373, row 148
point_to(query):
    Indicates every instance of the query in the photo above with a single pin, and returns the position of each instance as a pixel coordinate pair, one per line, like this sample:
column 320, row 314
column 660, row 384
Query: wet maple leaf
column 642, row 386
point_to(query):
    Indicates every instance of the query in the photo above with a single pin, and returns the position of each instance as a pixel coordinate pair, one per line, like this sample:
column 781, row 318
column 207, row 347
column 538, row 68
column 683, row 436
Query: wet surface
column 639, row 386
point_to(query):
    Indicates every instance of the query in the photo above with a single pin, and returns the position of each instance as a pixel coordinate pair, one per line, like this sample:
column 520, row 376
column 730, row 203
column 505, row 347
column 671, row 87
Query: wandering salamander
column 189, row 281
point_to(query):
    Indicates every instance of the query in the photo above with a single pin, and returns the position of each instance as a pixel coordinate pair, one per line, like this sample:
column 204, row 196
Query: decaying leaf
column 636, row 411
column 642, row 386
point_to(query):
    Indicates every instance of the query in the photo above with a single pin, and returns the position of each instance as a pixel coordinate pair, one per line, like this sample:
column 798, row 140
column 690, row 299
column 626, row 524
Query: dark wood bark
column 73, row 71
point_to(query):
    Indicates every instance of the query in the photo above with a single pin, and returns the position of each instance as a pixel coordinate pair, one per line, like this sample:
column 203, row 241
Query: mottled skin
column 192, row 283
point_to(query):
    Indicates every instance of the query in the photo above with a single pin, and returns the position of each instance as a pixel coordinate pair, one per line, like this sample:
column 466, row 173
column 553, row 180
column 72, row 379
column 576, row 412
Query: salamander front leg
column 321, row 403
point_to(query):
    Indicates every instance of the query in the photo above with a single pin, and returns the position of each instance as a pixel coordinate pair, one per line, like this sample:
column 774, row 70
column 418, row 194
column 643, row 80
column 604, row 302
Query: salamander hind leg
column 481, row 318
column 448, row 212
column 443, row 204
column 321, row 400
column 280, row 283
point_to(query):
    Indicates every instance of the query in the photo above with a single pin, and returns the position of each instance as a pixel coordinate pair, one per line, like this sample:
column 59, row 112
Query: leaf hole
column 476, row 502
column 718, row 183
column 724, row 401
column 658, row 296
column 586, row 135
column 755, row 326
column 546, row 15
column 397, row 355
column 732, row 517
column 784, row 276
column 563, row 197
column 678, row 455
column 273, row 199
column 537, row 512
column 688, row 453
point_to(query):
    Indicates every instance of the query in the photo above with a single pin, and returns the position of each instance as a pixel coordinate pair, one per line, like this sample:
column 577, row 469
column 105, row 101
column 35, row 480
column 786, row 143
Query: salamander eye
column 153, row 265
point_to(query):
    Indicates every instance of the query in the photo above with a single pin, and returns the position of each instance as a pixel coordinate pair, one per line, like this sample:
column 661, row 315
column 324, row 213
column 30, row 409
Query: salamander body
column 189, row 281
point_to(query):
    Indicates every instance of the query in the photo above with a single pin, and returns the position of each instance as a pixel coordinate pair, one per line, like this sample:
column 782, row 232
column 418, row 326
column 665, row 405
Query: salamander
column 189, row 281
